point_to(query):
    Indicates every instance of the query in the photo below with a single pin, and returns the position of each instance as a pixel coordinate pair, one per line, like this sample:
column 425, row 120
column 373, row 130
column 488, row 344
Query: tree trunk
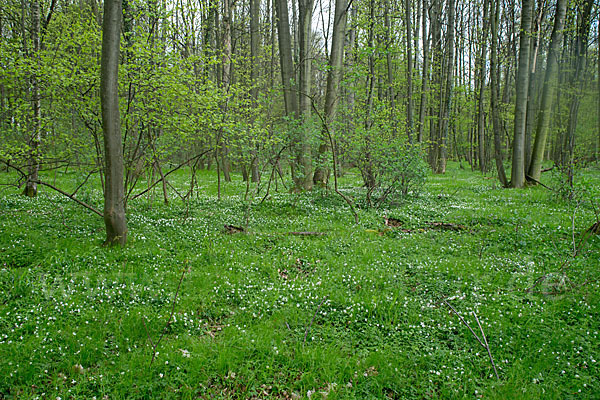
column 495, row 86
column 425, row 75
column 226, row 81
column 334, row 76
column 440, row 166
column 522, row 86
column 254, row 73
column 436, row 80
column 550, row 82
column 114, row 208
column 480, row 98
column 305, row 9
column 31, row 188
column 533, row 77
column 285, row 59
column 577, row 83
column 409, row 73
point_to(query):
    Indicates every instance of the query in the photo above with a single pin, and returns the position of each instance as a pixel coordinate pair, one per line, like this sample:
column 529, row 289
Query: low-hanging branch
column 69, row 195
column 170, row 172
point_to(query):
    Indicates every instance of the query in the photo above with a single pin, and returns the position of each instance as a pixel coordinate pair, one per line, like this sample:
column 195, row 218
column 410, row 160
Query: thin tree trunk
column 425, row 75
column 305, row 9
column 333, row 81
column 440, row 167
column 577, row 83
column 533, row 77
column 522, row 86
column 31, row 188
column 114, row 209
column 409, row 73
column 495, row 86
column 285, row 58
column 390, row 67
column 254, row 73
column 226, row 81
column 549, row 90
column 480, row 98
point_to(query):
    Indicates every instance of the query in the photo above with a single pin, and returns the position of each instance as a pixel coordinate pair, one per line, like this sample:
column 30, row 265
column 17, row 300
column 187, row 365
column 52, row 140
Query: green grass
column 72, row 313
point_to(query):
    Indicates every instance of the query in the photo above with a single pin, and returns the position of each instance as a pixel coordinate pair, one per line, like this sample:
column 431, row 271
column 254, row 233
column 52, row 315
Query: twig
column 487, row 346
column 71, row 196
column 164, row 331
column 484, row 343
column 169, row 172
column 464, row 322
column 313, row 319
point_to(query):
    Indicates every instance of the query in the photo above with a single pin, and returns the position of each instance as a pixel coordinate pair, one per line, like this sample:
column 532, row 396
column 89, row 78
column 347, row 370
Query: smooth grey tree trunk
column 495, row 89
column 522, row 86
column 334, row 77
column 114, row 207
column 254, row 74
column 549, row 90
column 425, row 76
column 31, row 188
column 409, row 73
column 440, row 166
column 305, row 10
column 480, row 98
column 578, row 79
column 285, row 59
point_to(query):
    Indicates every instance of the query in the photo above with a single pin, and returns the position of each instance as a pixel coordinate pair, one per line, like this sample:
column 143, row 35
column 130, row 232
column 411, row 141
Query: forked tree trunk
column 114, row 207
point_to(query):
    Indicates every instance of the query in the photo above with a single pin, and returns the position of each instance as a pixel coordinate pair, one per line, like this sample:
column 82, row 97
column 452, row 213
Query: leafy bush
column 400, row 172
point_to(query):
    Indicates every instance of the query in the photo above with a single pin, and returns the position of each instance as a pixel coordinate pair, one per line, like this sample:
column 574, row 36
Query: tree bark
column 305, row 9
column 445, row 111
column 522, row 86
column 549, row 90
column 480, row 98
column 425, row 76
column 334, row 77
column 31, row 188
column 114, row 209
column 409, row 73
column 254, row 73
column 495, row 88
column 285, row 59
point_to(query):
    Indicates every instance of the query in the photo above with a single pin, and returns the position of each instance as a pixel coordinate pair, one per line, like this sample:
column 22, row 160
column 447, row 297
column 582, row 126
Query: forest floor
column 361, row 311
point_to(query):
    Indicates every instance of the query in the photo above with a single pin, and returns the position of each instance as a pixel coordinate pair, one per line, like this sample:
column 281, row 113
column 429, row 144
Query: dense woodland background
column 266, row 88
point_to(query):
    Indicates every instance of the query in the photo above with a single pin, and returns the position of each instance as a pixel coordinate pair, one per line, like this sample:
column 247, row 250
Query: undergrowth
column 356, row 312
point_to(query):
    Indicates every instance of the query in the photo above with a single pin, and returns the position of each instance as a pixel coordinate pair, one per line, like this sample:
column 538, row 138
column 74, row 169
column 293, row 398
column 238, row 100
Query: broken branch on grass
column 484, row 343
column 313, row 319
column 164, row 331
column 487, row 346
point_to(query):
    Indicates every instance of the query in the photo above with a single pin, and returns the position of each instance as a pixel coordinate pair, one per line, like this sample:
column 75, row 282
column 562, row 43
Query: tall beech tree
column 334, row 76
column 549, row 90
column 522, row 86
column 114, row 205
column 31, row 188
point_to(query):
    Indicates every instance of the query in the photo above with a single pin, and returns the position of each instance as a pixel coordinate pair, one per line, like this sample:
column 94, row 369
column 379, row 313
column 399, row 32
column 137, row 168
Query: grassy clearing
column 75, row 318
